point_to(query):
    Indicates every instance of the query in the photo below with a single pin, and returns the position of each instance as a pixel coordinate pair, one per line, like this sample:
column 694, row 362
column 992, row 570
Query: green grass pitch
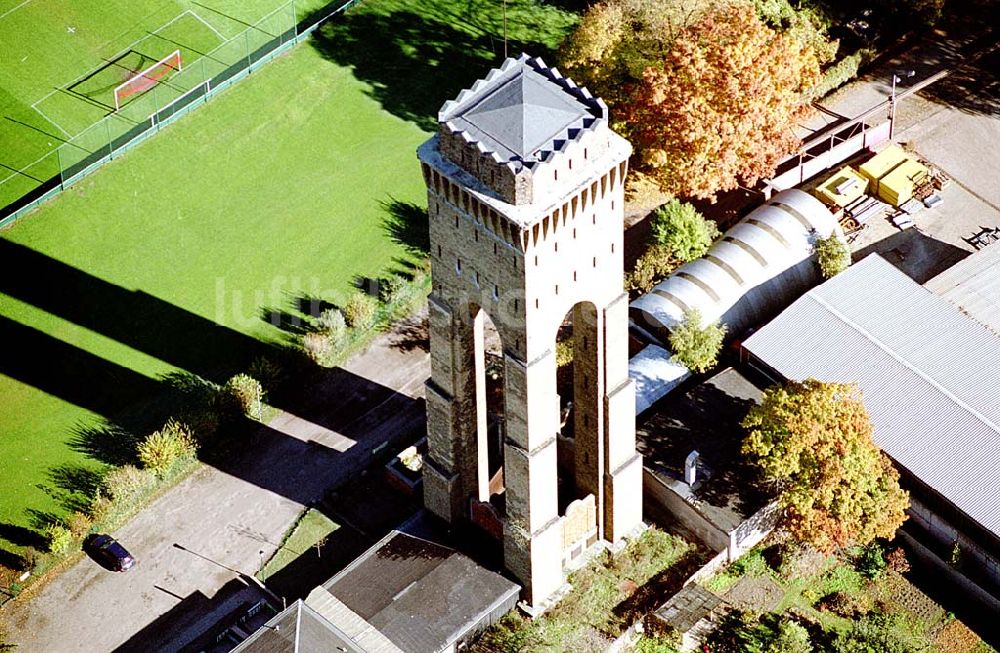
column 276, row 189
column 58, row 70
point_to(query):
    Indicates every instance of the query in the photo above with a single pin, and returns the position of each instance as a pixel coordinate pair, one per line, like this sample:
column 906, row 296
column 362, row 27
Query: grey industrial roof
column 973, row 285
column 928, row 373
column 522, row 111
column 418, row 594
column 298, row 629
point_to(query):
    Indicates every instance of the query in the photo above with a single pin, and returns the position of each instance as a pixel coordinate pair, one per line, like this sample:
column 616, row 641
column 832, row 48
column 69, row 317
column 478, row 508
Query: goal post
column 148, row 78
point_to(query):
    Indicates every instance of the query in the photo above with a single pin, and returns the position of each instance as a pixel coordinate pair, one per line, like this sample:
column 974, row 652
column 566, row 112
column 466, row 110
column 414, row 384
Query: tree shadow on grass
column 408, row 226
column 72, row 486
column 415, row 62
column 21, row 536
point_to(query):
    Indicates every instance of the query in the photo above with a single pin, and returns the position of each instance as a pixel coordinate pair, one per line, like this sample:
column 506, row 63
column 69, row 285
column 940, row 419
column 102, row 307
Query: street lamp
column 896, row 77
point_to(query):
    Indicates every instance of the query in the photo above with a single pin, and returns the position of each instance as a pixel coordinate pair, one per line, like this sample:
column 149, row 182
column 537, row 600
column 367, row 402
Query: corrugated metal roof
column 771, row 240
column 929, row 375
column 973, row 285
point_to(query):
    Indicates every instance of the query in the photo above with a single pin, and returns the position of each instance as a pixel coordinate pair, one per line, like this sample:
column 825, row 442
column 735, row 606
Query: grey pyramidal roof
column 522, row 109
column 523, row 114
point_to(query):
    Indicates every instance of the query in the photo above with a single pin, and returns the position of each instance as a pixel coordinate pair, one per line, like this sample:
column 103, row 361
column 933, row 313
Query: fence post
column 246, row 42
column 107, row 130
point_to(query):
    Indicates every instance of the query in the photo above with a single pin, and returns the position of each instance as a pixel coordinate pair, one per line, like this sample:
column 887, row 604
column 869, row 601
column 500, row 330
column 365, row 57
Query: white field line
column 21, row 170
column 207, row 24
column 58, row 126
column 10, row 11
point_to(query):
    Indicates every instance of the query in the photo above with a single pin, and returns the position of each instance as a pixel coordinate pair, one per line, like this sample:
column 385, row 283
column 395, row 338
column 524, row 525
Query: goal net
column 148, row 78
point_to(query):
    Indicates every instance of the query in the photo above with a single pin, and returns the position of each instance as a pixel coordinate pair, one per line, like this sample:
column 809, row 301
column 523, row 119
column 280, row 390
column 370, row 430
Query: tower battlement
column 520, row 128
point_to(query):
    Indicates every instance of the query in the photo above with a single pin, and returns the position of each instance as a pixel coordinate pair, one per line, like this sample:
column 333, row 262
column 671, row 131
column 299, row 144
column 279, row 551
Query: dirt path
column 198, row 543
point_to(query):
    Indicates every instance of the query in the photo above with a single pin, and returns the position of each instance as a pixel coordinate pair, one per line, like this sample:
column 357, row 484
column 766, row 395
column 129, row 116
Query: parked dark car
column 108, row 551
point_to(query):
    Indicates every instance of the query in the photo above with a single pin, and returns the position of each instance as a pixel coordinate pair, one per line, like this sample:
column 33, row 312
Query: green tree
column 685, row 232
column 651, row 268
column 716, row 111
column 832, row 255
column 695, row 346
column 812, row 441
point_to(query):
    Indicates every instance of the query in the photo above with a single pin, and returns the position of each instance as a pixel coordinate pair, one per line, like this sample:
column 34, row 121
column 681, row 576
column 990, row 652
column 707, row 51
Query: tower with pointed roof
column 525, row 202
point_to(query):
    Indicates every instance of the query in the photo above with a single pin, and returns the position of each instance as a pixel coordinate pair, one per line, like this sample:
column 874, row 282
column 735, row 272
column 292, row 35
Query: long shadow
column 414, row 61
column 177, row 629
column 68, row 372
column 145, row 323
column 291, row 465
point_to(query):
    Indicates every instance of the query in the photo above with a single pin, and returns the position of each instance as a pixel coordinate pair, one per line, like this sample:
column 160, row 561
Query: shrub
column 663, row 643
column 126, row 484
column 202, row 421
column 267, row 371
column 832, row 255
column 79, row 524
column 318, row 346
column 870, row 560
column 360, row 311
column 59, row 537
column 162, row 449
column 791, row 638
column 332, row 323
column 685, row 233
column 897, row 561
column 391, row 289
column 874, row 633
column 246, row 394
column 29, row 559
column 695, row 346
column 841, row 72
column 102, row 507
column 651, row 268
column 845, row 604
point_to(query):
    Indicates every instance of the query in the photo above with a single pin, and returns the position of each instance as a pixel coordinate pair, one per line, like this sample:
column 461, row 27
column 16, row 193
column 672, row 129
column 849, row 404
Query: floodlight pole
column 505, row 29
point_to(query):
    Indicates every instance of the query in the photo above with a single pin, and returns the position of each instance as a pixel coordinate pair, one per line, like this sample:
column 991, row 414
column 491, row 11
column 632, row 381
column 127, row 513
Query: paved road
column 223, row 518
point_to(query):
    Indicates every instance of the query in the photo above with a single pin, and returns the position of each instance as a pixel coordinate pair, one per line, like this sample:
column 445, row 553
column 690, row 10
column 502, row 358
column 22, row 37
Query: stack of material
column 893, row 175
column 842, row 188
column 865, row 209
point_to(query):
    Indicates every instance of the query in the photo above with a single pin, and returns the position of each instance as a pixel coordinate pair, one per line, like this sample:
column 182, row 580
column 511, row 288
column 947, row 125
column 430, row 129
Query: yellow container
column 879, row 165
column 842, row 188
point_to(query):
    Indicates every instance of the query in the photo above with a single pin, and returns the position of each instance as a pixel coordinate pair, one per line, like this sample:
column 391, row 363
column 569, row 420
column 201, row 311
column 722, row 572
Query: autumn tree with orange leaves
column 813, row 442
column 720, row 109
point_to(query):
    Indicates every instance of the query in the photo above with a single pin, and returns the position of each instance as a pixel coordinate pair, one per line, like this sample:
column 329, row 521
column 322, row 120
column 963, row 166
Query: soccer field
column 60, row 63
column 169, row 258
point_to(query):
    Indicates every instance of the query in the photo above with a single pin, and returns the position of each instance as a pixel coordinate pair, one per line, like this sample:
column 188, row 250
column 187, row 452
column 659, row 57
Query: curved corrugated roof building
column 757, row 268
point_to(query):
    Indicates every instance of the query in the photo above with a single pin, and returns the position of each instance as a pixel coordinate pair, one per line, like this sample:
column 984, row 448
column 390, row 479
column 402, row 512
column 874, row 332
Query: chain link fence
column 214, row 71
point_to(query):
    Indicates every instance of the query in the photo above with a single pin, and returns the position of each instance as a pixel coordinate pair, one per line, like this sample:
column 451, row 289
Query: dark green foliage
column 685, row 233
column 870, row 561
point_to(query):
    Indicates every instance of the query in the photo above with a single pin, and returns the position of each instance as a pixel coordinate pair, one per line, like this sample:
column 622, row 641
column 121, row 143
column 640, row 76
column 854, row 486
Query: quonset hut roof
column 754, row 270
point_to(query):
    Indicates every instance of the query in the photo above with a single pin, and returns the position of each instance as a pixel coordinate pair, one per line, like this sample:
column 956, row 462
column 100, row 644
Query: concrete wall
column 978, row 561
column 660, row 497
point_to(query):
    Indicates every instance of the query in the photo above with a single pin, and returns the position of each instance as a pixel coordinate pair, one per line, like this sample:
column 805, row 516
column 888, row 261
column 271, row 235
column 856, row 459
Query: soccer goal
column 148, row 78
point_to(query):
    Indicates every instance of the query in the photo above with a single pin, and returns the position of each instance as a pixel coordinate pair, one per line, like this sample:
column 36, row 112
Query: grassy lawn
column 169, row 259
column 606, row 596
column 310, row 531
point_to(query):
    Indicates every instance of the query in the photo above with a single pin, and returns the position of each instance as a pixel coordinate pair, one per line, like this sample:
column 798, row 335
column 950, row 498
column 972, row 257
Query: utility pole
column 892, row 98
